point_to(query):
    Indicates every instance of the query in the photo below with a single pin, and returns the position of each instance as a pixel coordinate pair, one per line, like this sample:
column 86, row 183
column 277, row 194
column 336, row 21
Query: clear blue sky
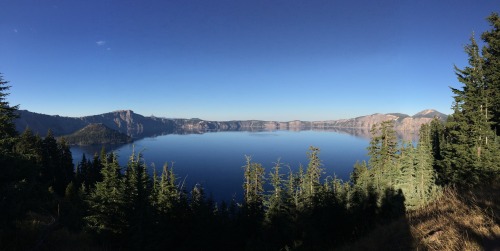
column 232, row 60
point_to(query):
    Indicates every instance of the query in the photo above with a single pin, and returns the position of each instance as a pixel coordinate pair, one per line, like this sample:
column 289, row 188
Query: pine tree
column 17, row 176
column 254, row 186
column 491, row 67
column 8, row 113
column 438, row 144
column 471, row 148
column 406, row 181
column 168, row 195
column 65, row 171
column 276, row 203
column 106, row 202
column 137, row 194
column 425, row 176
column 383, row 152
column 30, row 146
column 312, row 184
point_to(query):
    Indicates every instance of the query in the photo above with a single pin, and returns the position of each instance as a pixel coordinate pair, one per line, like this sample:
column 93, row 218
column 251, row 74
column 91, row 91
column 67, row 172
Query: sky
column 235, row 59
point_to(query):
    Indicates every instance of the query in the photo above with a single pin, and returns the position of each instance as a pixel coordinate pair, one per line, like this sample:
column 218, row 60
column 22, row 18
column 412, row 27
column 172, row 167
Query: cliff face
column 125, row 121
column 137, row 126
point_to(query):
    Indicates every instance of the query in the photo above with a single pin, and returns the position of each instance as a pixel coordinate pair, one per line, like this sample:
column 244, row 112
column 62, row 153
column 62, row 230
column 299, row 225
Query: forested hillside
column 94, row 134
column 47, row 203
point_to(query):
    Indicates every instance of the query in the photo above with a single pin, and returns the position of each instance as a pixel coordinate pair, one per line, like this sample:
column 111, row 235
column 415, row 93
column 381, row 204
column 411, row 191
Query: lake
column 216, row 159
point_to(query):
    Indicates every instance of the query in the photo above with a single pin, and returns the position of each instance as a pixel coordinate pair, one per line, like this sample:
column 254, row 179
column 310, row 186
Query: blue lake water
column 216, row 159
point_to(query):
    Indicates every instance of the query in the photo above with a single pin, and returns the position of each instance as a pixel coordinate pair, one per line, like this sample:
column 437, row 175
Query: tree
column 30, row 146
column 137, row 194
column 168, row 195
column 383, row 152
column 425, row 176
column 8, row 114
column 253, row 207
column 17, row 174
column 311, row 184
column 471, row 148
column 276, row 203
column 65, row 172
column 106, row 202
column 254, row 185
column 491, row 68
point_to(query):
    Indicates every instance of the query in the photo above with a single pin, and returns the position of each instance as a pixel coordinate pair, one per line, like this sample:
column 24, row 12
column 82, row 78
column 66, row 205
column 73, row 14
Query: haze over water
column 215, row 159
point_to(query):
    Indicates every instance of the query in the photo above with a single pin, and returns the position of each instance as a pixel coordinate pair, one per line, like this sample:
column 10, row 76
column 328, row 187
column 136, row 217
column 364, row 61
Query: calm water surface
column 215, row 159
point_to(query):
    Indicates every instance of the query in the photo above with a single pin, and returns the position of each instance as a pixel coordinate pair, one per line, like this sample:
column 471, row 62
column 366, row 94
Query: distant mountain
column 138, row 126
column 124, row 121
column 94, row 134
column 429, row 114
column 402, row 122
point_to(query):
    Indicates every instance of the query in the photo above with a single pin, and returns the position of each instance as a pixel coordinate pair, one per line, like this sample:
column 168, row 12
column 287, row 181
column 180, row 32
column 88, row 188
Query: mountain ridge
column 136, row 125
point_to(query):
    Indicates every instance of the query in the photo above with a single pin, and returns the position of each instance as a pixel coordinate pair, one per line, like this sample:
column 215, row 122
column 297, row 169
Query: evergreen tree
column 65, row 172
column 18, row 190
column 73, row 207
column 94, row 170
column 471, row 149
column 383, row 152
column 168, row 195
column 425, row 176
column 254, row 185
column 276, row 203
column 30, row 146
column 406, row 181
column 137, row 194
column 438, row 143
column 253, row 207
column 491, row 68
column 106, row 203
column 312, row 185
column 8, row 113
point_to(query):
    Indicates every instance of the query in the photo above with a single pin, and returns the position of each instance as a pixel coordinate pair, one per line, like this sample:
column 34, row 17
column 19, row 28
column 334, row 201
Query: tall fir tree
column 311, row 185
column 471, row 147
column 107, row 201
column 137, row 194
column 383, row 152
column 276, row 204
column 491, row 67
column 425, row 176
column 8, row 113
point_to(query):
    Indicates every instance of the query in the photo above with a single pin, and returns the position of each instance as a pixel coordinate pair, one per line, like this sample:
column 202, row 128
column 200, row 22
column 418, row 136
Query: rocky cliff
column 137, row 126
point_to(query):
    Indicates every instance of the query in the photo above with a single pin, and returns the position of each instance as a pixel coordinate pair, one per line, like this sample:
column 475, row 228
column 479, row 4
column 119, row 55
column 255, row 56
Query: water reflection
column 214, row 158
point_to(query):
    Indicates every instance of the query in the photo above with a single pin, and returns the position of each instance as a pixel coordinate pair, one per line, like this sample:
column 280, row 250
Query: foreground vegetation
column 457, row 220
column 404, row 191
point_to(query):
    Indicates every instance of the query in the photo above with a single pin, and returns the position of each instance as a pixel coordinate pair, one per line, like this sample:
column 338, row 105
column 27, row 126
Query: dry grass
column 455, row 222
column 458, row 220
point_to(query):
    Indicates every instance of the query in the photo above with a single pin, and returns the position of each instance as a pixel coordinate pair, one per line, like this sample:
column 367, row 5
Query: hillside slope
column 93, row 134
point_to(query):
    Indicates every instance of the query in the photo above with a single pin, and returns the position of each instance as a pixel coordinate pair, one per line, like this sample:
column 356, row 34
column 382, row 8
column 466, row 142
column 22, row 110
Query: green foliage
column 8, row 131
column 471, row 153
column 107, row 203
column 383, row 152
column 97, row 134
column 276, row 200
column 311, row 184
column 399, row 171
column 136, row 198
column 254, row 186
column 490, row 67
